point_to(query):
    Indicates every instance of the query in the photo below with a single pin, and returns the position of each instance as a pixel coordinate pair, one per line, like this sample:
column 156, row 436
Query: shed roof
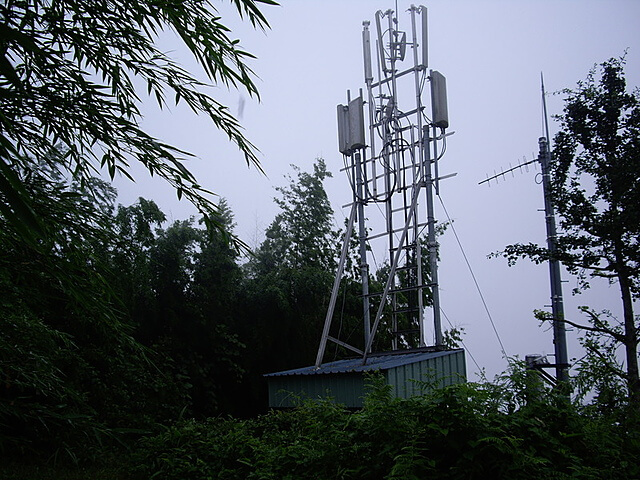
column 384, row 361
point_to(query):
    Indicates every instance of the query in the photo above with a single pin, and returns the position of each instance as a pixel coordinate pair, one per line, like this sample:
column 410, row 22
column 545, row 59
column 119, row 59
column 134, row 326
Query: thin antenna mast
column 557, row 307
column 544, row 110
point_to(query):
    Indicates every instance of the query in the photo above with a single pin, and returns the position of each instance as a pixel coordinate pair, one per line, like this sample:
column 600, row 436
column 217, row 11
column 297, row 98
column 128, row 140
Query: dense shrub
column 460, row 432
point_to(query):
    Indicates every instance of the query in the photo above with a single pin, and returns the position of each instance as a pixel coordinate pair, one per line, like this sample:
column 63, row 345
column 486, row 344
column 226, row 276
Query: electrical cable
column 350, row 179
column 387, row 167
column 444, row 144
column 504, row 353
column 480, row 371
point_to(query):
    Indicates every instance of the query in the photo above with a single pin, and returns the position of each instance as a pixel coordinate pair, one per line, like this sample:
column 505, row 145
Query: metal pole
column 336, row 287
column 392, row 274
column 557, row 308
column 362, row 236
column 417, row 171
column 432, row 244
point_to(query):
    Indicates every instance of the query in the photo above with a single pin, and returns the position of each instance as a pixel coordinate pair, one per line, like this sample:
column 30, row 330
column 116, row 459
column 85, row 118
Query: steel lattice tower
column 392, row 166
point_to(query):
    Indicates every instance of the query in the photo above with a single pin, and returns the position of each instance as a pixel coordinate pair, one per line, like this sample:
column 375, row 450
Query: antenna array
column 392, row 167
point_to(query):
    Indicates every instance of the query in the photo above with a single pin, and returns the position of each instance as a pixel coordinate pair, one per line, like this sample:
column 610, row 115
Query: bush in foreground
column 462, row 431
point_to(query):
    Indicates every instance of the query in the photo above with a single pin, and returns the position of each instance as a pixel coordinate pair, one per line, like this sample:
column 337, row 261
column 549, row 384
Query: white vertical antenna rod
column 368, row 79
column 544, row 111
column 383, row 63
column 366, row 50
column 425, row 36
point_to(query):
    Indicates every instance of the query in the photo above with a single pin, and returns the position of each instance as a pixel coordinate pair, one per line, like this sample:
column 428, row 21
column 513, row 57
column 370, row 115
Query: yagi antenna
column 534, row 161
column 511, row 170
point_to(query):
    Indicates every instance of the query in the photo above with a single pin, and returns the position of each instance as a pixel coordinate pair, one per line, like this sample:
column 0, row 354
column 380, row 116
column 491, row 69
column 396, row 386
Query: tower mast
column 561, row 363
column 557, row 307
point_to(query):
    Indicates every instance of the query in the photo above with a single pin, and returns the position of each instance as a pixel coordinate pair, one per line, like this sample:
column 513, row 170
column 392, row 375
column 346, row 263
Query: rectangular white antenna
column 343, row 129
column 366, row 48
column 356, row 124
column 425, row 36
column 439, row 111
column 351, row 126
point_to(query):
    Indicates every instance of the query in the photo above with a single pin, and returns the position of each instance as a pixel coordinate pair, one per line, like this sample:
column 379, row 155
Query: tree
column 135, row 227
column 112, row 323
column 191, row 320
column 302, row 234
column 293, row 267
column 288, row 279
column 71, row 368
column 69, row 76
column 179, row 286
column 596, row 193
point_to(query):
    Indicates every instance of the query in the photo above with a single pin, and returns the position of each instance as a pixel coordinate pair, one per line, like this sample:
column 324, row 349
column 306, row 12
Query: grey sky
column 492, row 53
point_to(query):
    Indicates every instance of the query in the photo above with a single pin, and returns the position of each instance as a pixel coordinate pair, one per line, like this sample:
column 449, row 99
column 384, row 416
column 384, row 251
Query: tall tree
column 180, row 290
column 289, row 279
column 136, row 228
column 294, row 265
column 596, row 193
column 302, row 234
column 71, row 369
column 70, row 75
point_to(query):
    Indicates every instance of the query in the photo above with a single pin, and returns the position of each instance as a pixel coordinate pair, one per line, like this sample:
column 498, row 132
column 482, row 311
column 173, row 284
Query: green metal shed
column 408, row 372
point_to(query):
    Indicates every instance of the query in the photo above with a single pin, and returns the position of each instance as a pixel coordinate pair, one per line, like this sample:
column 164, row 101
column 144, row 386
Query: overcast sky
column 492, row 53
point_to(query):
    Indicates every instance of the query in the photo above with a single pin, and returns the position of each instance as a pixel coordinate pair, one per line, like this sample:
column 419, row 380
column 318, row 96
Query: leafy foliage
column 69, row 76
column 67, row 357
column 107, row 329
column 82, row 286
column 302, row 234
column 462, row 431
column 596, row 170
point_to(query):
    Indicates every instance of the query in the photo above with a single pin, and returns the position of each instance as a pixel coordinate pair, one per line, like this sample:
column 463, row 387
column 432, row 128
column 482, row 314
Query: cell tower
column 392, row 167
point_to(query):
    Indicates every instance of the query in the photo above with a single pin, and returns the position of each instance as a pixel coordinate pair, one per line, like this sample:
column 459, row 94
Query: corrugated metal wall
column 347, row 389
column 420, row 377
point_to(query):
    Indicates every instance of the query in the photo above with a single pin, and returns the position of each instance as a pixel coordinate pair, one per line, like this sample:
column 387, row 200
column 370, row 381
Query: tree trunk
column 630, row 333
